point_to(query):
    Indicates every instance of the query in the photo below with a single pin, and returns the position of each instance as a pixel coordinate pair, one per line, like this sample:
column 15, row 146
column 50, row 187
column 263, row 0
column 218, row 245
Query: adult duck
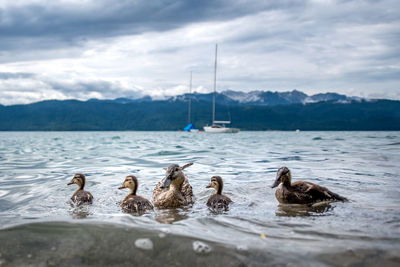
column 174, row 190
column 301, row 192
column 80, row 196
column 132, row 202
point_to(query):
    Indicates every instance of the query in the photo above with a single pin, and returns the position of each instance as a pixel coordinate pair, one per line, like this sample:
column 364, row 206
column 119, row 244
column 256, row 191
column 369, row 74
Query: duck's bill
column 208, row 186
column 70, row 183
column 167, row 181
column 121, row 187
column 276, row 183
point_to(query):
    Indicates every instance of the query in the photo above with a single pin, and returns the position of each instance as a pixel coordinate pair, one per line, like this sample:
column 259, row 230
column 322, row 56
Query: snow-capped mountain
column 266, row 98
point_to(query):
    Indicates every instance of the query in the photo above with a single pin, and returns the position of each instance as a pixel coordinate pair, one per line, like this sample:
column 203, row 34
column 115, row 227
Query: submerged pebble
column 166, row 230
column 201, row 247
column 242, row 248
column 144, row 243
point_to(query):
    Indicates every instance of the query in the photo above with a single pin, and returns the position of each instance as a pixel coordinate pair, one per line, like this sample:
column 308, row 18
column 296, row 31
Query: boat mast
column 215, row 83
column 190, row 97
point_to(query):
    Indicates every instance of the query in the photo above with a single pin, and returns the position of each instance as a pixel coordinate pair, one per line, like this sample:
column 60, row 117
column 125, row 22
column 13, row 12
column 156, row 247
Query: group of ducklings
column 175, row 191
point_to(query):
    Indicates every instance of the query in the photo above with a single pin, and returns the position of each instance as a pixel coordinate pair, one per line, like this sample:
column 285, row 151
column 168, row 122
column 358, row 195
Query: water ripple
column 35, row 168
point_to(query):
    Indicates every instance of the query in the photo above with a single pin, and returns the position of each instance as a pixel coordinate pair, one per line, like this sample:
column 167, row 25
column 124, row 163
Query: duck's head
column 282, row 176
column 130, row 182
column 216, row 183
column 174, row 174
column 78, row 179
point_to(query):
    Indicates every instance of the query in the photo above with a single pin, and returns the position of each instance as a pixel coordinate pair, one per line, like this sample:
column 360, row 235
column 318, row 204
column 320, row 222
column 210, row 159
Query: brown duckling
column 174, row 190
column 132, row 202
column 301, row 192
column 218, row 201
column 80, row 196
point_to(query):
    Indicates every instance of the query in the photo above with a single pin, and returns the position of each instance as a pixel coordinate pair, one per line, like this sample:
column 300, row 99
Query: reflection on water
column 169, row 216
column 292, row 210
column 362, row 166
column 80, row 211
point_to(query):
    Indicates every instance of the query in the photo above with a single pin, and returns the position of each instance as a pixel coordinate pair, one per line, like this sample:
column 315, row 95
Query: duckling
column 301, row 192
column 80, row 196
column 132, row 202
column 218, row 201
column 174, row 190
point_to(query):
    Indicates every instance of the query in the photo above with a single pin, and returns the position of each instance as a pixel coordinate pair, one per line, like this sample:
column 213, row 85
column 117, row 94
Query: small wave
column 294, row 158
column 200, row 151
column 394, row 144
column 165, row 153
column 146, row 247
column 116, row 137
column 317, row 138
column 262, row 161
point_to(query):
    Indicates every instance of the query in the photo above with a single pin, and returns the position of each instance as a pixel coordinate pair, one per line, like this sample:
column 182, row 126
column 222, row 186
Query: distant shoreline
column 380, row 115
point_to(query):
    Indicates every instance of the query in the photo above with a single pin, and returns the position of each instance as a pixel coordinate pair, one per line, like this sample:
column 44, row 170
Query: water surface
column 43, row 229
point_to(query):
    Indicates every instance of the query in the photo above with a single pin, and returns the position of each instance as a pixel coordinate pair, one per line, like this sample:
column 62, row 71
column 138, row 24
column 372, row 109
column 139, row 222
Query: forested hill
column 170, row 115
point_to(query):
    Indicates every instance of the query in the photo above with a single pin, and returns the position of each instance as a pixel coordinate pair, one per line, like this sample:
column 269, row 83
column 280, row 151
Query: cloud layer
column 109, row 49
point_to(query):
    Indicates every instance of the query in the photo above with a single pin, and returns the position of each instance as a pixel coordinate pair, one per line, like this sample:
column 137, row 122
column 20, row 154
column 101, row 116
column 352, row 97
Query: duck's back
column 82, row 196
column 218, row 202
column 133, row 203
column 302, row 192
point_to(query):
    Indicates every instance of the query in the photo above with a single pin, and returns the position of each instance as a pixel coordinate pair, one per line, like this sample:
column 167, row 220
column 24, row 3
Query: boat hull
column 210, row 129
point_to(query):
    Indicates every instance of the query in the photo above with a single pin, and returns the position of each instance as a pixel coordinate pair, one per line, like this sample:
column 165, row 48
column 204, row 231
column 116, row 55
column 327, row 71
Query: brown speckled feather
column 136, row 204
column 219, row 202
column 81, row 196
column 302, row 192
column 163, row 198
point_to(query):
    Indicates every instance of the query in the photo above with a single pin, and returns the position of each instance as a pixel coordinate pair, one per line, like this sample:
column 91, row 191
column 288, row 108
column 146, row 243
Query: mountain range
column 257, row 98
column 268, row 98
column 256, row 110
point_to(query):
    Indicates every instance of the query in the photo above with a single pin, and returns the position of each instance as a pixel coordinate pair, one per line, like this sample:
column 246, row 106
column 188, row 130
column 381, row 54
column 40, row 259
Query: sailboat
column 218, row 126
column 190, row 127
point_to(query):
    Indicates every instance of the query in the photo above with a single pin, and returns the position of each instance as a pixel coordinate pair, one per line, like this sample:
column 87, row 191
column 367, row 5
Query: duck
column 80, row 196
column 301, row 192
column 132, row 202
column 218, row 201
column 174, row 190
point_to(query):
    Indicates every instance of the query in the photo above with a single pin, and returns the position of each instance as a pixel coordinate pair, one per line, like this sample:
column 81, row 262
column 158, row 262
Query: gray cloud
column 74, row 23
column 15, row 75
column 110, row 49
column 83, row 89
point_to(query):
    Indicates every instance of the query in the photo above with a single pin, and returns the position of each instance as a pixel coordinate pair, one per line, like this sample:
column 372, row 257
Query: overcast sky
column 106, row 49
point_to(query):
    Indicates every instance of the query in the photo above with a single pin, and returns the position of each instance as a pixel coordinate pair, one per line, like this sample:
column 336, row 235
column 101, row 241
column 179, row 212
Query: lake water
column 39, row 226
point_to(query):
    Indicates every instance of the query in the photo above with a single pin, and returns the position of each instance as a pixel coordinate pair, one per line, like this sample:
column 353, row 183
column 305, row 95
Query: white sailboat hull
column 210, row 129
